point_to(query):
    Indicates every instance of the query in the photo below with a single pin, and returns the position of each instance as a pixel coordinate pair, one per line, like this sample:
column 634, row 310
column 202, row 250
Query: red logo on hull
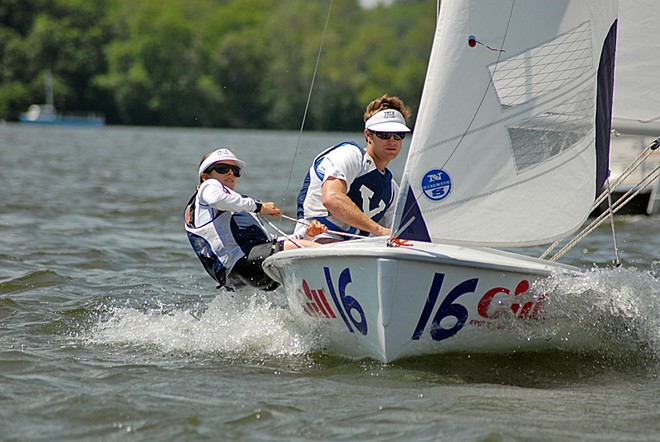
column 314, row 302
column 529, row 309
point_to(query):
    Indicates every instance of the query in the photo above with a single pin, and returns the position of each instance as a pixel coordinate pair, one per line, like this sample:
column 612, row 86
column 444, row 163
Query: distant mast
column 49, row 88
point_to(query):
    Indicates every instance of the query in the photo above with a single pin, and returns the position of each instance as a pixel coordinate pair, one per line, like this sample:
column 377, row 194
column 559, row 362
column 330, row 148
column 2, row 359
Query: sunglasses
column 225, row 168
column 386, row 135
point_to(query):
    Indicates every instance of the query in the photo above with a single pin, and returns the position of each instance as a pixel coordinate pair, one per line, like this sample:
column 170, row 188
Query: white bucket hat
column 218, row 156
column 387, row 120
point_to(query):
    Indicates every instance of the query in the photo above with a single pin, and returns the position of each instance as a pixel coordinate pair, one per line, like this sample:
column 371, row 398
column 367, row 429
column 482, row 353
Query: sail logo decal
column 315, row 303
column 436, row 184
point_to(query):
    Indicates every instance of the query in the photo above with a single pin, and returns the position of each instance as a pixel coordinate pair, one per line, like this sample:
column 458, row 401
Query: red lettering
column 307, row 290
column 484, row 303
column 522, row 310
column 522, row 287
column 531, row 309
column 536, row 314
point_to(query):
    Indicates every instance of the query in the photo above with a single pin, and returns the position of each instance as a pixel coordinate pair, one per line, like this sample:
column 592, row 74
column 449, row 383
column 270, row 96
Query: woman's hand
column 269, row 208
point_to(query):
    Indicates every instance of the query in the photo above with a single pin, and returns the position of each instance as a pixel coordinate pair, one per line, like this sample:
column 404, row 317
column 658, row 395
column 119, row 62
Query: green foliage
column 65, row 36
column 222, row 63
column 153, row 64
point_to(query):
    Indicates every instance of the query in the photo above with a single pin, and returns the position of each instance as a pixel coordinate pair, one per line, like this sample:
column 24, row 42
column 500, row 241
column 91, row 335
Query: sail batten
column 504, row 149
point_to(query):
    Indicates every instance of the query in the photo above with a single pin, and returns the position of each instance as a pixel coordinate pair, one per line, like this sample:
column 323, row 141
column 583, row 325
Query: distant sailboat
column 636, row 108
column 47, row 113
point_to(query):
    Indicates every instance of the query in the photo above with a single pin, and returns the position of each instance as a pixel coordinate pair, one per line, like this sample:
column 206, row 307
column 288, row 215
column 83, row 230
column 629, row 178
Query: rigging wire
column 630, row 169
column 613, row 208
column 309, row 98
column 619, row 204
column 617, row 261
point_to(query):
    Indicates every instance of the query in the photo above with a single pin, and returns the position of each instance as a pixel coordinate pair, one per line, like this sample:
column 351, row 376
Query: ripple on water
column 31, row 281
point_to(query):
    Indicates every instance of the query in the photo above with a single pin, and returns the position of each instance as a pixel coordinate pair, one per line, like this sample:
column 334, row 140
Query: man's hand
column 315, row 228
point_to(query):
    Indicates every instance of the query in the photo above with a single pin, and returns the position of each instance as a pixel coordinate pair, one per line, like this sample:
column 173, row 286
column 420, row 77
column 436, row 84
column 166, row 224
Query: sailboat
column 510, row 149
column 47, row 113
column 636, row 108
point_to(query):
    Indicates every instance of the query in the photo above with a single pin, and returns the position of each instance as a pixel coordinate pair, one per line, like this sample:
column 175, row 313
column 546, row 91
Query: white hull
column 46, row 114
column 388, row 303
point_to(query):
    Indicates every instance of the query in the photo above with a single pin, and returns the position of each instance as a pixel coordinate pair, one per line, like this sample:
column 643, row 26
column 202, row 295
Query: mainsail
column 516, row 105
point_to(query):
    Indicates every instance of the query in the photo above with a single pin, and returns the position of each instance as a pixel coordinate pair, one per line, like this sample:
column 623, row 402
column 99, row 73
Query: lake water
column 111, row 330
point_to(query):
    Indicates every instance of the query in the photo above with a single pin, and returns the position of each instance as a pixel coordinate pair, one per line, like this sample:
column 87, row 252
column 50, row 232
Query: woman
column 224, row 228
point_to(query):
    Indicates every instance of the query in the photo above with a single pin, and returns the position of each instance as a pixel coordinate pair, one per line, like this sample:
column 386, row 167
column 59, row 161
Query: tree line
column 213, row 63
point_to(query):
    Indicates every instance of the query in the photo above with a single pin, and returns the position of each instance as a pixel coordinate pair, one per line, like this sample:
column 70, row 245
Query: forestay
column 511, row 140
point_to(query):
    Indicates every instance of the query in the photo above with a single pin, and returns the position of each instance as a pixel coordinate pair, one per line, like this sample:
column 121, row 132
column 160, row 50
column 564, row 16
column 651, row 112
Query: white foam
column 245, row 322
column 617, row 307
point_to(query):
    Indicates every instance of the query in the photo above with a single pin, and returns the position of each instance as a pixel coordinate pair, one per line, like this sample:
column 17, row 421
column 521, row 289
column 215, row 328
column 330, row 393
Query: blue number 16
column 447, row 308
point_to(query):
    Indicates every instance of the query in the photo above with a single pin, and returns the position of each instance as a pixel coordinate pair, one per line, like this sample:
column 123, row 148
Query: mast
column 49, row 88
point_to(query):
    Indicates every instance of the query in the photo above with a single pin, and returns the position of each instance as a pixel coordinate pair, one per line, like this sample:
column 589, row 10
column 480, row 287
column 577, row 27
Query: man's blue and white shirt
column 371, row 190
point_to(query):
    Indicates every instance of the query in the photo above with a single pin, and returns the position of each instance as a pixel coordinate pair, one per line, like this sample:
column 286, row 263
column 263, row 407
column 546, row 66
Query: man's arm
column 345, row 210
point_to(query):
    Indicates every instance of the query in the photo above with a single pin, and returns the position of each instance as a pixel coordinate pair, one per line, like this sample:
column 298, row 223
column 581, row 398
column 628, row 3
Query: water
column 111, row 330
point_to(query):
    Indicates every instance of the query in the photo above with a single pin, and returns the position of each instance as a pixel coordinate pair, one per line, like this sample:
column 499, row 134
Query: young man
column 224, row 228
column 349, row 189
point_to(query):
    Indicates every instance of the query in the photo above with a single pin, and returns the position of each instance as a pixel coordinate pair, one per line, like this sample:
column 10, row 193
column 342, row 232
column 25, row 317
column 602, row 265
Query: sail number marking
column 448, row 308
column 489, row 307
column 347, row 305
column 451, row 308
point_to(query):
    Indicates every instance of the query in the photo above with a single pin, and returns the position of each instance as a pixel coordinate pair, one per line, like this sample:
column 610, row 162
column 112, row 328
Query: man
column 350, row 189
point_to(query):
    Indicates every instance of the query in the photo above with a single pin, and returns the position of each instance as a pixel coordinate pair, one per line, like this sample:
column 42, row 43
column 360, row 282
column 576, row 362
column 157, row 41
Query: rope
column 284, row 234
column 307, row 223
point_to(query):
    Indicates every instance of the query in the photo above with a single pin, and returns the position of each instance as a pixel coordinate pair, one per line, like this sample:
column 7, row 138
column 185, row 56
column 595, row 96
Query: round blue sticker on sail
column 436, row 184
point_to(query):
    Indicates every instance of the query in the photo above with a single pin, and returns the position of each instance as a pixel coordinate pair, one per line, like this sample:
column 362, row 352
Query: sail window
column 531, row 84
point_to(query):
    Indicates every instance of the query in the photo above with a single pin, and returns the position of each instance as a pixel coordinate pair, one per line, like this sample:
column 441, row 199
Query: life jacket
column 201, row 246
column 224, row 239
column 371, row 192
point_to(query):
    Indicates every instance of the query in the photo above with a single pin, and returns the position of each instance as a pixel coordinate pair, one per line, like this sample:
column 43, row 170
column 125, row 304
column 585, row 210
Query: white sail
column 637, row 88
column 503, row 152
